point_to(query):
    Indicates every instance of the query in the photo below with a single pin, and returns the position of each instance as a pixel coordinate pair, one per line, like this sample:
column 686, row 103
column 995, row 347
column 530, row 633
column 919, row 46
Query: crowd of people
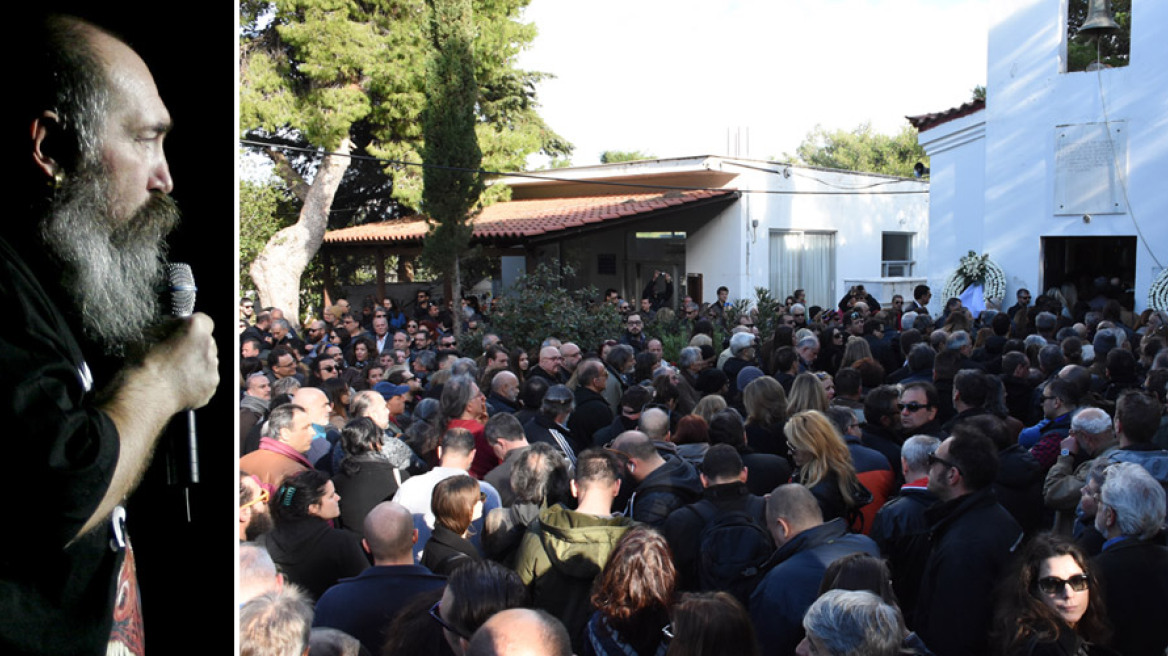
column 868, row 479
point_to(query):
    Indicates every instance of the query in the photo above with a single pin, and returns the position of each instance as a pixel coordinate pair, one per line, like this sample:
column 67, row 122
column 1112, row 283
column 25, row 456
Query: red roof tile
column 930, row 121
column 529, row 218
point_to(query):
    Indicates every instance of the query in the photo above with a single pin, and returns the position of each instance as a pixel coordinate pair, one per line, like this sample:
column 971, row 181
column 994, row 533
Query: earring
column 58, row 179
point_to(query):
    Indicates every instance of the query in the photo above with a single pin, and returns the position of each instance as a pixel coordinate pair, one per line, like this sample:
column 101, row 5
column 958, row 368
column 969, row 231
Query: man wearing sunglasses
column 918, row 405
column 972, row 538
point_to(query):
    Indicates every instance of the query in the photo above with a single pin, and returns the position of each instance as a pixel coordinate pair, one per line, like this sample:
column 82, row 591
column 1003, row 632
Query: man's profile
column 91, row 373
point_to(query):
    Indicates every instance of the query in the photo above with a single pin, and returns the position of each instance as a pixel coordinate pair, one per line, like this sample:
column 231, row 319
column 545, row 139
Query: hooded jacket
column 560, row 555
column 669, row 487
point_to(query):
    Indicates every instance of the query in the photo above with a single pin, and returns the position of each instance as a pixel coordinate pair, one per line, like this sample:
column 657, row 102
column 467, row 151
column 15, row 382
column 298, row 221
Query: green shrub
column 538, row 307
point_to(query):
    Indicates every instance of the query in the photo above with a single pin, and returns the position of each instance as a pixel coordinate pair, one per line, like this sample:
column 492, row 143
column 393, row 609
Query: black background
column 186, row 570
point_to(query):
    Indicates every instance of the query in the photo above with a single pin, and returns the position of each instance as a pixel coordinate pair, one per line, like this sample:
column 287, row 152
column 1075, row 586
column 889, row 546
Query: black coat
column 972, row 538
column 765, row 471
column 1134, row 577
column 540, row 428
column 670, row 486
column 683, row 528
column 373, row 481
column 592, row 413
column 767, row 439
column 1019, row 488
column 313, row 555
column 902, row 533
column 445, row 551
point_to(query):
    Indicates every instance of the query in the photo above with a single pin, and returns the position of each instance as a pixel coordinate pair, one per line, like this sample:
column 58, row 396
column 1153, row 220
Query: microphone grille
column 182, row 289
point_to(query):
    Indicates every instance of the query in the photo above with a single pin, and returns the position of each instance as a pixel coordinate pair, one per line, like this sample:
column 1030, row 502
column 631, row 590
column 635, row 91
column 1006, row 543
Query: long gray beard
column 111, row 267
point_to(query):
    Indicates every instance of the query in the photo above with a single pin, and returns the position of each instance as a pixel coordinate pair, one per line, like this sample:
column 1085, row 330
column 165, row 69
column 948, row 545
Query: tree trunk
column 277, row 269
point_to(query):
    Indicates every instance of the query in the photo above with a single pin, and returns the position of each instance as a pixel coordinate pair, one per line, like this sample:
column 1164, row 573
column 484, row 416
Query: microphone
column 182, row 304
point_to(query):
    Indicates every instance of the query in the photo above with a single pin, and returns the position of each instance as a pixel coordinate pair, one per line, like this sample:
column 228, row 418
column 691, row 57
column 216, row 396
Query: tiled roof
column 930, row 121
column 530, row 218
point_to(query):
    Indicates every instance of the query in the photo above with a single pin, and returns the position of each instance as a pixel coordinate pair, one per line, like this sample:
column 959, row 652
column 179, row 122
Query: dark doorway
column 1081, row 260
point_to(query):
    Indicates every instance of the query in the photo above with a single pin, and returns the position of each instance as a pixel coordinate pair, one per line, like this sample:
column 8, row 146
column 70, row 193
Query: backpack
column 733, row 549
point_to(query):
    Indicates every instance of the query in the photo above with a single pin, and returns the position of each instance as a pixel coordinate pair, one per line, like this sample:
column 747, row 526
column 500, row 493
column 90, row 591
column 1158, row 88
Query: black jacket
column 972, row 538
column 592, row 413
column 540, row 429
column 670, row 486
column 683, row 528
column 446, row 551
column 764, row 471
column 902, row 533
column 1019, row 488
column 1134, row 578
column 313, row 555
column 373, row 481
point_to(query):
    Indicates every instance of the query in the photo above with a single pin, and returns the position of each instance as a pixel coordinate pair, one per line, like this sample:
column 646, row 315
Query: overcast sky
column 671, row 77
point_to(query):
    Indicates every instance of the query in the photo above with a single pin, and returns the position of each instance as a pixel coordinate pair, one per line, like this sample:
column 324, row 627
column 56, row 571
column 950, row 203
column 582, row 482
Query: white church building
column 1060, row 177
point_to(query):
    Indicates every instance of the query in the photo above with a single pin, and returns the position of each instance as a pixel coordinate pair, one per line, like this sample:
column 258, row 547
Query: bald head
column 790, row 510
column 521, row 632
column 390, row 534
column 315, row 402
column 635, row 444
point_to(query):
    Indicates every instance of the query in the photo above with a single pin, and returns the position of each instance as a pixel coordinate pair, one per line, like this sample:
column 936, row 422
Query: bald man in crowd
column 364, row 606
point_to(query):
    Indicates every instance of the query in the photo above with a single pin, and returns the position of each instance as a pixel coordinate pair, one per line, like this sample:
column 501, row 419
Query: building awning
column 929, row 121
column 516, row 221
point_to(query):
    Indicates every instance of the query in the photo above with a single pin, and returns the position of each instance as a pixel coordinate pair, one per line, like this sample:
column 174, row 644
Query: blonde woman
column 709, row 406
column 807, row 393
column 855, row 350
column 824, row 466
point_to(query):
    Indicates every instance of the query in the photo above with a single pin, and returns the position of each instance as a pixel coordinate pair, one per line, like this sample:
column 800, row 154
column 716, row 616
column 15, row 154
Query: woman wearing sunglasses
column 1051, row 603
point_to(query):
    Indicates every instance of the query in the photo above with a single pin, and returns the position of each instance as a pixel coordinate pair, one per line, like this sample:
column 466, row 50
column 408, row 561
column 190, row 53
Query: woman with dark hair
column 859, row 571
column 766, row 413
column 1050, row 603
column 393, row 314
column 423, row 439
column 632, row 597
column 824, row 465
column 644, row 363
column 339, row 396
column 710, row 624
column 831, row 349
column 362, row 351
column 365, row 477
column 456, row 502
column 311, row 553
column 518, row 364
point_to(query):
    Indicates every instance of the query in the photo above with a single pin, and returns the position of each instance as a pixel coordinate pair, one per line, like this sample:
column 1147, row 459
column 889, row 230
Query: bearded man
column 79, row 278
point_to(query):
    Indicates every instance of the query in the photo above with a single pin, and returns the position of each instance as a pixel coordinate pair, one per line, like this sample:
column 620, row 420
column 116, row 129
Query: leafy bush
column 538, row 307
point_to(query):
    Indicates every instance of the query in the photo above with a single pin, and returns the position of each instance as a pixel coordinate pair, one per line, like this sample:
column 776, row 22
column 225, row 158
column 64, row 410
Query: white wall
column 730, row 251
column 1027, row 97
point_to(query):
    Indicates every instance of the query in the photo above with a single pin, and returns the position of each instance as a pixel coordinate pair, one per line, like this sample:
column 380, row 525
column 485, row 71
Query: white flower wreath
column 975, row 269
column 1158, row 292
